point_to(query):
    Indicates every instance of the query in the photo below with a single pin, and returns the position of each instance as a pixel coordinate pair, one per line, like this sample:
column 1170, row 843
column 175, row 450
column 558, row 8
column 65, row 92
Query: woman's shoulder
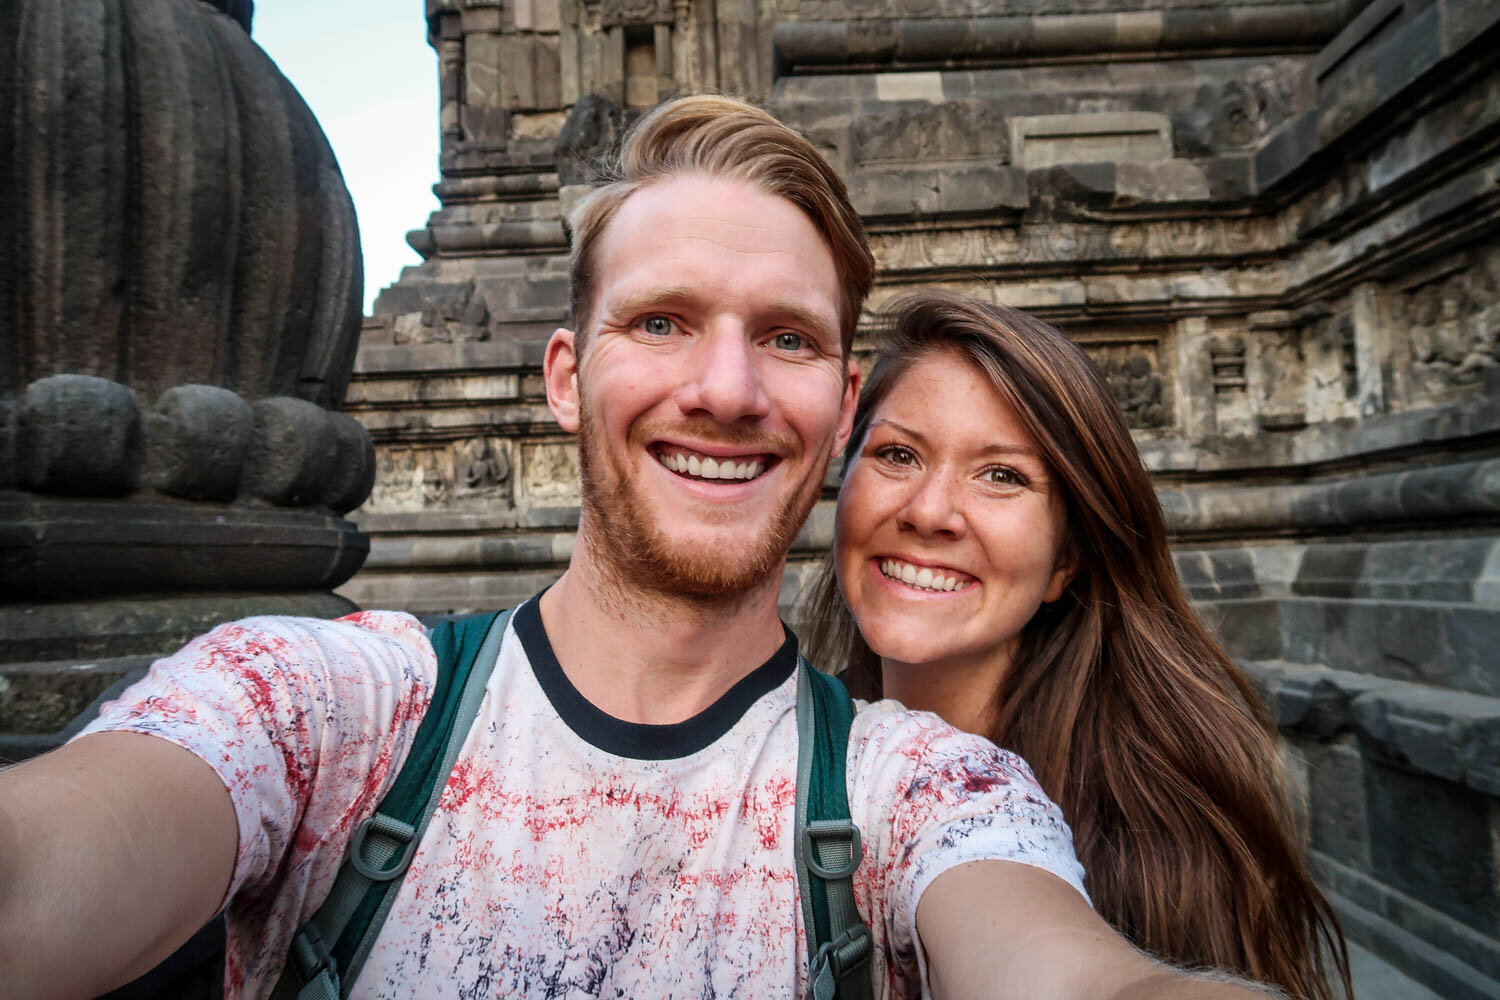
column 889, row 731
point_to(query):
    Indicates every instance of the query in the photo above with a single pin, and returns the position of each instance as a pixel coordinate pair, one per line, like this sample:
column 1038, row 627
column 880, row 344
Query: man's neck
column 655, row 658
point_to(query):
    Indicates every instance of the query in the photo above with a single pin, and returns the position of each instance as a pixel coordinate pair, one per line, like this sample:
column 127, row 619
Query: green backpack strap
column 331, row 947
column 828, row 846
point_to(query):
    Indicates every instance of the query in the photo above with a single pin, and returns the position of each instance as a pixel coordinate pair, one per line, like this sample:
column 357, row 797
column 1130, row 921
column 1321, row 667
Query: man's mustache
column 710, row 432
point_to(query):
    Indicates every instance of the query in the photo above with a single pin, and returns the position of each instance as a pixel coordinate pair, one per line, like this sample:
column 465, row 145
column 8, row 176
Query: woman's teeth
column 706, row 467
column 922, row 578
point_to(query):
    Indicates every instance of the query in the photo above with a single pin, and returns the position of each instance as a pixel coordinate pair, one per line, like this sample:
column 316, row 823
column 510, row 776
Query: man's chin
column 696, row 568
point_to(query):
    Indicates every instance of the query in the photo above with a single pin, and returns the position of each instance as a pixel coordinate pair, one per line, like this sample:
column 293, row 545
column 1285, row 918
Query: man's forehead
column 676, row 241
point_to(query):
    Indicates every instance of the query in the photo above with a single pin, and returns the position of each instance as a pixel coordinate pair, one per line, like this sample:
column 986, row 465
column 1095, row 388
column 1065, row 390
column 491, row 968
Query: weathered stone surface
column 293, row 449
column 1283, row 261
column 179, row 258
column 196, row 440
column 182, row 288
column 81, row 435
column 1435, row 860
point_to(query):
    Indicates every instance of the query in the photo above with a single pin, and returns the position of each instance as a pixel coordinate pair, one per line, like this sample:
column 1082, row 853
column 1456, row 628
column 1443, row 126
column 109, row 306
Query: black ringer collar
column 634, row 739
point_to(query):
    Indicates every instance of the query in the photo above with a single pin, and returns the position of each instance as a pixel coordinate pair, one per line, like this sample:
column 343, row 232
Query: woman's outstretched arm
column 1001, row 930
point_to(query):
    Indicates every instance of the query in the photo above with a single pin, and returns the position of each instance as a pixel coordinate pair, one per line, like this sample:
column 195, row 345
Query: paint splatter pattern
column 551, row 867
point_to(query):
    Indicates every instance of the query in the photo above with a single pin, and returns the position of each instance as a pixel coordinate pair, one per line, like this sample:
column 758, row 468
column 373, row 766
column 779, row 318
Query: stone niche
column 181, row 287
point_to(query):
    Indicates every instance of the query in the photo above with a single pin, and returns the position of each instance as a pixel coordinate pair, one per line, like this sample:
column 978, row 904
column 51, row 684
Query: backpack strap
column 828, row 845
column 328, row 950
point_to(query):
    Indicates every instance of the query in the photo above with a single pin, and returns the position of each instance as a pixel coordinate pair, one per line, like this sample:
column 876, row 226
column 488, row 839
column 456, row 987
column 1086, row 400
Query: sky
column 367, row 72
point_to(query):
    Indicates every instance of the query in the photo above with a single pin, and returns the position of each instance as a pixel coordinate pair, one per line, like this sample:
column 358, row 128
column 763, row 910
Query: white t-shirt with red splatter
column 572, row 854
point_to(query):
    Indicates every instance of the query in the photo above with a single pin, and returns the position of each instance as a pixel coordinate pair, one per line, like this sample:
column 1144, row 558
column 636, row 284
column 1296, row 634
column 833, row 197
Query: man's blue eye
column 657, row 326
column 790, row 341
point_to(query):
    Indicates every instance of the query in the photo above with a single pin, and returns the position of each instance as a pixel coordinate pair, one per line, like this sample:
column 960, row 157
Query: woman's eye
column 657, row 326
column 1003, row 476
column 790, row 342
column 897, row 455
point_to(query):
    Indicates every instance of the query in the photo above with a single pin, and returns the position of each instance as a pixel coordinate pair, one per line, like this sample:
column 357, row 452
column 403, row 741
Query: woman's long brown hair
column 1134, row 719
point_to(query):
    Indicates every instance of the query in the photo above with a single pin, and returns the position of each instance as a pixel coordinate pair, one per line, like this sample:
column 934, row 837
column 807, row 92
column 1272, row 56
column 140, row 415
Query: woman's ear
column 1063, row 572
column 560, row 374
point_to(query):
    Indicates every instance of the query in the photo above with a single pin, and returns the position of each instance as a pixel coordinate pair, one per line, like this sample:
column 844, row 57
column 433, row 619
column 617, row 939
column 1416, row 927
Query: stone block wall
column 1273, row 225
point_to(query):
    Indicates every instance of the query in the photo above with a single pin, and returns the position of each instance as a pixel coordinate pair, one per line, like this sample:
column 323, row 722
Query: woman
column 1005, row 560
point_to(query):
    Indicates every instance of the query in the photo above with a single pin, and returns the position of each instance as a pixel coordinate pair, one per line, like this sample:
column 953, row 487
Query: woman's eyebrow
column 989, row 449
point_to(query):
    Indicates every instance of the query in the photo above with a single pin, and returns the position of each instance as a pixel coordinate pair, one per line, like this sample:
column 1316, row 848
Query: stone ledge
column 1027, row 39
column 1441, row 953
column 1376, row 68
column 1447, row 492
column 1453, row 735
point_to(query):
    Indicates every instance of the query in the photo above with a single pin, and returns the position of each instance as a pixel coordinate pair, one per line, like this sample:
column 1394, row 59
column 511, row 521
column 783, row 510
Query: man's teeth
column 706, row 467
column 922, row 578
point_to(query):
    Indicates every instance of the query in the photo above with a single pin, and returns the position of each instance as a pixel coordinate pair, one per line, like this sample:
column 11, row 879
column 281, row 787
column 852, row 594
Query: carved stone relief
column 1049, row 243
column 1133, row 368
column 955, row 131
column 1251, row 107
column 549, row 474
column 1453, row 324
column 1328, row 361
column 1282, row 376
column 450, row 314
column 454, row 475
column 627, row 12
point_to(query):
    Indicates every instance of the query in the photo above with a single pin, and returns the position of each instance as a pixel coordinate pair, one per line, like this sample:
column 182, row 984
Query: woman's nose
column 932, row 508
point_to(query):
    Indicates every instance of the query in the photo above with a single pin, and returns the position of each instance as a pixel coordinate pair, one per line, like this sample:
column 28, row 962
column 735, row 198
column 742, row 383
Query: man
column 619, row 820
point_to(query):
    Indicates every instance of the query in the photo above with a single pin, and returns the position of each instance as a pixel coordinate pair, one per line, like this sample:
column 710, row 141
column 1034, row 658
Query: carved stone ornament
column 613, row 13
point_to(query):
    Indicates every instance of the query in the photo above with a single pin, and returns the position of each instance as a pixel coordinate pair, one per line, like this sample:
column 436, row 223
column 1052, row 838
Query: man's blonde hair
column 721, row 137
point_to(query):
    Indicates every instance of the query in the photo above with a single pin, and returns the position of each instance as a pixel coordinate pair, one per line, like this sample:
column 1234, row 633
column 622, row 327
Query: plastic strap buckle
column 839, row 957
column 384, row 826
column 310, row 952
column 835, row 830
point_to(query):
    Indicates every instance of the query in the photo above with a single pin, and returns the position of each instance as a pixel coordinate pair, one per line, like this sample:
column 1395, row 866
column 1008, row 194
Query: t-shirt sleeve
column 306, row 722
column 927, row 798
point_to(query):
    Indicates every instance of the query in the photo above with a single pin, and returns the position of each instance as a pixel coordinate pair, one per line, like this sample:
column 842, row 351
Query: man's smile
column 695, row 464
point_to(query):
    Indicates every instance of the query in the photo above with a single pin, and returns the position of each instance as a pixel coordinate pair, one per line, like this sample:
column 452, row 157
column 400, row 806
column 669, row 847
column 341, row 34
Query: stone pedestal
column 179, row 309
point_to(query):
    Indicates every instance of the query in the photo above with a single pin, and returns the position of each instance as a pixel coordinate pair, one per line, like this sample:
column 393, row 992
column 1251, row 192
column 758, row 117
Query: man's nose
column 726, row 382
column 933, row 506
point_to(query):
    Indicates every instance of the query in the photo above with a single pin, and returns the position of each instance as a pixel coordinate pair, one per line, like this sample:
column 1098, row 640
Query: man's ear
column 560, row 373
column 847, row 406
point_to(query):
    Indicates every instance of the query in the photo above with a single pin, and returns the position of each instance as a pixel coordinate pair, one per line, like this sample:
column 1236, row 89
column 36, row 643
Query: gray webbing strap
column 376, row 842
column 829, row 849
column 468, row 708
column 834, row 854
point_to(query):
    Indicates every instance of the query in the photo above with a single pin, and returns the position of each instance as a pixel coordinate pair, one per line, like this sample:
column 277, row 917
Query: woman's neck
column 962, row 690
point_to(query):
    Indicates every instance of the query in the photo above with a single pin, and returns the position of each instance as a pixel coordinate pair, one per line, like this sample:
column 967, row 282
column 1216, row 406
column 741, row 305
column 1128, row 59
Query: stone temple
column 1272, row 224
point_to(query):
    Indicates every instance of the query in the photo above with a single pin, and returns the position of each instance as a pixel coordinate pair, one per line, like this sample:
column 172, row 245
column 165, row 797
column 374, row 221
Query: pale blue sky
column 365, row 69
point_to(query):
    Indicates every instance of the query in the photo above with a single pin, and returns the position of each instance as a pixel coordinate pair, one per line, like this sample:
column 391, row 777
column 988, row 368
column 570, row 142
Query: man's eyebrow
column 990, row 449
column 813, row 321
column 668, row 295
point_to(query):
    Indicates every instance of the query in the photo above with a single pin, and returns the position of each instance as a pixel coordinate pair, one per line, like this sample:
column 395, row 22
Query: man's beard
column 643, row 556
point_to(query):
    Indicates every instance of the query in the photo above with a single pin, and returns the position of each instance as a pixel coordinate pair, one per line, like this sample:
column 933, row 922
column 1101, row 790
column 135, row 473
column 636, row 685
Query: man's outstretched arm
column 114, row 850
column 1007, row 931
